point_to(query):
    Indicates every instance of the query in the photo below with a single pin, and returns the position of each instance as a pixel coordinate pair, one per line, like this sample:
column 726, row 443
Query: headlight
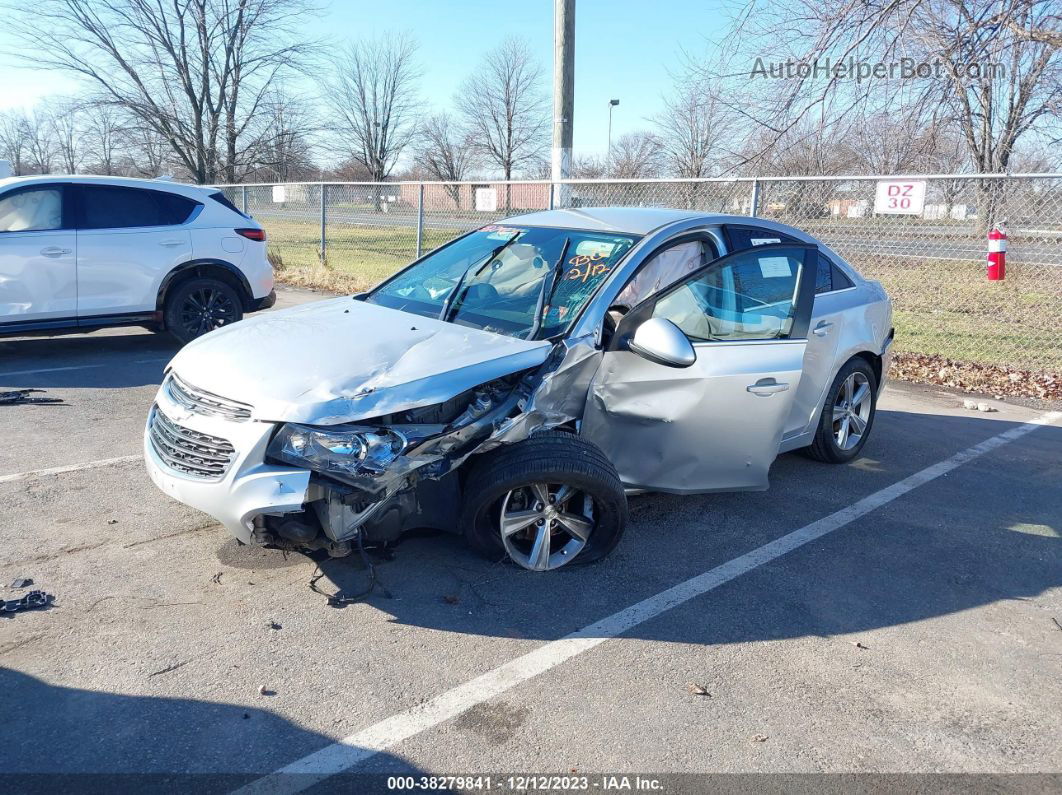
column 347, row 450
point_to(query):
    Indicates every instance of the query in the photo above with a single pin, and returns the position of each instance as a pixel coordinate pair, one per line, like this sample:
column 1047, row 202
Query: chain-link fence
column 932, row 262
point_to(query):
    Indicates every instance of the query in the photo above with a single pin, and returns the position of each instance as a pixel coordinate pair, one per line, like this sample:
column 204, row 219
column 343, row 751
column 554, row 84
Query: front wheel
column 201, row 305
column 544, row 503
column 847, row 415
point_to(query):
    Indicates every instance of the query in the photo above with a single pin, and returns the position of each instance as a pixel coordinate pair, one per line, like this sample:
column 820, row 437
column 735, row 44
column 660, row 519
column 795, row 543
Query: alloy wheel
column 206, row 309
column 851, row 411
column 545, row 525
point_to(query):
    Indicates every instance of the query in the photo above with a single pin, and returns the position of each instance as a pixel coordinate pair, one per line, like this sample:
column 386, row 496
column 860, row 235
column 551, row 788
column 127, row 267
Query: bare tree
column 445, row 151
column 13, row 143
column 41, row 146
column 104, row 133
column 589, row 167
column 502, row 103
column 695, row 129
column 195, row 71
column 636, row 155
column 283, row 152
column 374, row 99
column 66, row 120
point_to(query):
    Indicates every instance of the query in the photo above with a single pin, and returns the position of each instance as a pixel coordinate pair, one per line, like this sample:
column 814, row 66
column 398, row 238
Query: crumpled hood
column 341, row 360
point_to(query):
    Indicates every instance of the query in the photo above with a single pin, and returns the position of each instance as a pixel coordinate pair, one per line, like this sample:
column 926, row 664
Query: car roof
column 185, row 189
column 640, row 220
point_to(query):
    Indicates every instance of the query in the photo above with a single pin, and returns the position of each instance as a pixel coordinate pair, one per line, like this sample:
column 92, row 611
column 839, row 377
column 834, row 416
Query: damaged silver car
column 515, row 384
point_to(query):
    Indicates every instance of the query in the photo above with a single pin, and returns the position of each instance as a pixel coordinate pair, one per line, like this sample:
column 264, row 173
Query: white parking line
column 103, row 462
column 358, row 747
column 39, row 370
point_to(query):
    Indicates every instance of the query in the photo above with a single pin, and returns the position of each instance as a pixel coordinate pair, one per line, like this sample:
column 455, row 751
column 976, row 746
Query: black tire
column 554, row 457
column 825, row 446
column 200, row 305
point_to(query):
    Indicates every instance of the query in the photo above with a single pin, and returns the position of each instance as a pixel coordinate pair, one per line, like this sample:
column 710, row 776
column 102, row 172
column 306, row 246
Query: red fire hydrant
column 997, row 254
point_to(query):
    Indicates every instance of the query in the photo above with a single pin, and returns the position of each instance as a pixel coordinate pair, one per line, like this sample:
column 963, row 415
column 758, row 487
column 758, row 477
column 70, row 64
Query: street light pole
column 608, row 152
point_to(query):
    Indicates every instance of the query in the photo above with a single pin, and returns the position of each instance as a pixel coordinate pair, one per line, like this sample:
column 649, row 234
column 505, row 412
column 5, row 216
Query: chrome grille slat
column 189, row 452
column 199, row 401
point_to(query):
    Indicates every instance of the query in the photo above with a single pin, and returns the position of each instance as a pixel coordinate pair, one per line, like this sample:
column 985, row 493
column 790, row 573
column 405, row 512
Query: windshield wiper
column 444, row 314
column 545, row 295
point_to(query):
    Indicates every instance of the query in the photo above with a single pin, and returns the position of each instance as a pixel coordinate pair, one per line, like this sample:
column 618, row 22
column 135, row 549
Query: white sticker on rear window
column 774, row 267
column 763, row 241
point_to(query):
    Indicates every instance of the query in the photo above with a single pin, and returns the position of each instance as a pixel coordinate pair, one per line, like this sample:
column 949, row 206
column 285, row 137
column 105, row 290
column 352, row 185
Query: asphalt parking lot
column 916, row 626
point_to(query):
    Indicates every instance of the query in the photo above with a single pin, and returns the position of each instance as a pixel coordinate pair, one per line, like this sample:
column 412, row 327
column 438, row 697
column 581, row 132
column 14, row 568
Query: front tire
column 544, row 503
column 200, row 305
column 847, row 414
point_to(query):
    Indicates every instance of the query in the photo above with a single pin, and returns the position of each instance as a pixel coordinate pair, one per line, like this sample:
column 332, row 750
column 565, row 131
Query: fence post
column 420, row 218
column 754, row 206
column 551, row 195
column 244, row 192
column 324, row 221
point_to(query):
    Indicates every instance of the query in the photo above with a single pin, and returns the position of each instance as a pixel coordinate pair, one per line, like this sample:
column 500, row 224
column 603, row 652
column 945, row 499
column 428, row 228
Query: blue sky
column 625, row 49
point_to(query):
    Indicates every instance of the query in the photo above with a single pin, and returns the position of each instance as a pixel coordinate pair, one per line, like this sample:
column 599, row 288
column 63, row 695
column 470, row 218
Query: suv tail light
column 252, row 234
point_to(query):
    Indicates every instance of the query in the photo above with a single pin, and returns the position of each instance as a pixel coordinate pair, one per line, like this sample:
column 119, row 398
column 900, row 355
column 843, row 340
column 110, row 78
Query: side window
column 664, row 269
column 824, row 276
column 829, row 277
column 743, row 237
column 750, row 296
column 840, row 279
column 105, row 207
column 33, row 210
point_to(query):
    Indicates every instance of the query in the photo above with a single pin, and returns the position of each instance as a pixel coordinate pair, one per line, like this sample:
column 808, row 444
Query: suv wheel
column 544, row 503
column 197, row 306
column 847, row 415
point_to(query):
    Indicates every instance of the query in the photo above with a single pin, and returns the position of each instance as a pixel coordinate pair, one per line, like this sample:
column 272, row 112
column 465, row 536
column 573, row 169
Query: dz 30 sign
column 900, row 197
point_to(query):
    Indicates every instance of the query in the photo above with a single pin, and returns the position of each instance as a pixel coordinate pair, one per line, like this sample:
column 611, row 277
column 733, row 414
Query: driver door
column 715, row 425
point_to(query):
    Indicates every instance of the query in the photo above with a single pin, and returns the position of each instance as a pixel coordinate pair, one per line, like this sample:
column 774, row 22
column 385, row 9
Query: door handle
column 766, row 388
column 169, row 243
column 55, row 251
column 822, row 329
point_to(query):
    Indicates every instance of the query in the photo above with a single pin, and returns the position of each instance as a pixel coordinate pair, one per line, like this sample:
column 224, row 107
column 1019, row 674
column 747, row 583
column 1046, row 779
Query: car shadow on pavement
column 96, row 361
column 56, row 739
column 950, row 545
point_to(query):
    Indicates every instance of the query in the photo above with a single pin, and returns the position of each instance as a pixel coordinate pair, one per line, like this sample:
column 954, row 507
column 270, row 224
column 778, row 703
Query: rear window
column 223, row 200
column 107, row 207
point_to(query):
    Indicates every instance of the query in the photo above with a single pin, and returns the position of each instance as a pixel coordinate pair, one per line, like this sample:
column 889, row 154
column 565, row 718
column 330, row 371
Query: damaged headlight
column 350, row 451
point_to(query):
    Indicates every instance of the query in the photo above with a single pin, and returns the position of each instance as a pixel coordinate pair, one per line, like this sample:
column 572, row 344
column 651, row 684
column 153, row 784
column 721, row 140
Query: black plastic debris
column 21, row 582
column 34, row 600
column 22, row 397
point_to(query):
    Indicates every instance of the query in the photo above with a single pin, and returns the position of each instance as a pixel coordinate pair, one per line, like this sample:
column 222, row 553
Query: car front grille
column 189, row 452
column 199, row 401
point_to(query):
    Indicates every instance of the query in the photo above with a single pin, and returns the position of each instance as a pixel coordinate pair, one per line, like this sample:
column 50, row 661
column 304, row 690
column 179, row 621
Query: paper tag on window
column 774, row 267
column 763, row 241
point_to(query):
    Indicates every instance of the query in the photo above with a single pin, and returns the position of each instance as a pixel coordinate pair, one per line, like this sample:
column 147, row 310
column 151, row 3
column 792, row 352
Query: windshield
column 527, row 282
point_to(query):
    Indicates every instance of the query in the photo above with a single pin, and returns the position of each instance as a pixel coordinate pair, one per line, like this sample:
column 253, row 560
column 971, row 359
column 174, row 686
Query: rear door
column 128, row 239
column 38, row 277
column 713, row 426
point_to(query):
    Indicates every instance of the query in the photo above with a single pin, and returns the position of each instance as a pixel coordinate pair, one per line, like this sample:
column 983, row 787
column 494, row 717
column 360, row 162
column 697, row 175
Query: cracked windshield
column 527, row 282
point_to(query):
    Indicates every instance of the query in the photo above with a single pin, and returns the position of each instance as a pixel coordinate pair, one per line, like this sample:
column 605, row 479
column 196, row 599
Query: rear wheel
column 847, row 415
column 200, row 305
column 544, row 503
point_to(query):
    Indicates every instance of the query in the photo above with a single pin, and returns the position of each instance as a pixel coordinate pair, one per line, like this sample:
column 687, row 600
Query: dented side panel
column 694, row 429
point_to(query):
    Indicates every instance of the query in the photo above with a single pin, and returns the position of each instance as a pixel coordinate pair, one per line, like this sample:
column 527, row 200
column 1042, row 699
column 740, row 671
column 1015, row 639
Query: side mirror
column 661, row 341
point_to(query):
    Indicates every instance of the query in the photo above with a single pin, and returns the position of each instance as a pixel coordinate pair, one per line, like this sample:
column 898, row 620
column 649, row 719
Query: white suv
column 79, row 253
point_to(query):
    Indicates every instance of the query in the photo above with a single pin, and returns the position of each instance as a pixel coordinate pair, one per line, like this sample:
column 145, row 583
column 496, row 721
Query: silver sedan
column 516, row 383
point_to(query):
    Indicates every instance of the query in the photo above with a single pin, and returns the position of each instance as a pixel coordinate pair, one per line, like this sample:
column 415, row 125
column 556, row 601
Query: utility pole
column 563, row 97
